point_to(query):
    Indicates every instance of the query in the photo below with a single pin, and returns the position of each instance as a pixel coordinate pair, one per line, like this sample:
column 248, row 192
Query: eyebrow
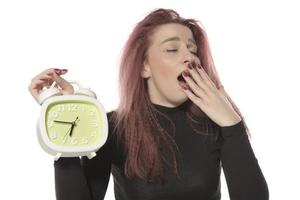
column 175, row 38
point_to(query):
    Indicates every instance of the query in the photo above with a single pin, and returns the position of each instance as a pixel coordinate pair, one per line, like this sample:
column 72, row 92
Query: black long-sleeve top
column 200, row 168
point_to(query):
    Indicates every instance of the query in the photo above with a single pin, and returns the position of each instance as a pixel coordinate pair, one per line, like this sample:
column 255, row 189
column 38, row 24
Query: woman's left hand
column 203, row 92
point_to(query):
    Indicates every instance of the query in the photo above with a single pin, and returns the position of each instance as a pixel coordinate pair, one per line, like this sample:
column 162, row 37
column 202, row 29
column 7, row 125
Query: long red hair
column 145, row 143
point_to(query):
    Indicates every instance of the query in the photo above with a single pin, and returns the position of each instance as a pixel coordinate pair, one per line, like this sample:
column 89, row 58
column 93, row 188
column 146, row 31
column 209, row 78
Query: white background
column 255, row 46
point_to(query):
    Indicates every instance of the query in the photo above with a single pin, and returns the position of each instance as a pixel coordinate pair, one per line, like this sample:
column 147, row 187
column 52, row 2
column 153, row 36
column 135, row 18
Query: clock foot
column 91, row 155
column 57, row 156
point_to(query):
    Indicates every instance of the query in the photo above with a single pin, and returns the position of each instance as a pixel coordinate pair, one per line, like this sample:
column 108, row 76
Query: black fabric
column 202, row 157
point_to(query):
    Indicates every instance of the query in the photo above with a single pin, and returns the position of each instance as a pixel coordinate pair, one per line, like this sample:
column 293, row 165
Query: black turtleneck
column 202, row 157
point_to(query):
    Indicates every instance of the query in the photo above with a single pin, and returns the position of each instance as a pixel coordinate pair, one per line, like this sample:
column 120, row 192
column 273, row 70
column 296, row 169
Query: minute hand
column 67, row 132
column 63, row 122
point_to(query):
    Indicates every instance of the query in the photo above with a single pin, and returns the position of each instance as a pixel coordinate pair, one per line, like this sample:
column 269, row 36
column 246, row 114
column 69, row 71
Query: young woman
column 174, row 128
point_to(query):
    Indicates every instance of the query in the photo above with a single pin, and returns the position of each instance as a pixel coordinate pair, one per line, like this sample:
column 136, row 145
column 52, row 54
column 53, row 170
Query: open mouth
column 180, row 78
column 182, row 81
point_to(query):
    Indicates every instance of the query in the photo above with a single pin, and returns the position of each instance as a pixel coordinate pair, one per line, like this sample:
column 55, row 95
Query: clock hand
column 75, row 119
column 63, row 122
column 72, row 129
column 73, row 124
column 67, row 132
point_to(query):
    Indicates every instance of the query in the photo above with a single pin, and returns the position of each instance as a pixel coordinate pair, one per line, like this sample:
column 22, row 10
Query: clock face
column 73, row 123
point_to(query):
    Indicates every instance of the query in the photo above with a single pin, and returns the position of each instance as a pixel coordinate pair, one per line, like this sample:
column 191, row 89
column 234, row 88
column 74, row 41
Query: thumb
column 66, row 87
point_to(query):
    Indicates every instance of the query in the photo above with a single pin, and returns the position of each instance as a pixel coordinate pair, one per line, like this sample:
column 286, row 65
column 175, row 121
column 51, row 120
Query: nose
column 190, row 59
column 193, row 62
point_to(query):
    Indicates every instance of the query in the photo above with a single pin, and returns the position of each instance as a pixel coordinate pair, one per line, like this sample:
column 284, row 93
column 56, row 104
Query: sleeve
column 84, row 179
column 97, row 170
column 70, row 181
column 244, row 178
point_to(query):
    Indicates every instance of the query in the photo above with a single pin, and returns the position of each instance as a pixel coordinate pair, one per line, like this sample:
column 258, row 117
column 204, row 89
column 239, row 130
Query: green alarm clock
column 71, row 125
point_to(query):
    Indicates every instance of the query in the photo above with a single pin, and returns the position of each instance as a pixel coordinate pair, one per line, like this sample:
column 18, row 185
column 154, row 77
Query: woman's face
column 172, row 48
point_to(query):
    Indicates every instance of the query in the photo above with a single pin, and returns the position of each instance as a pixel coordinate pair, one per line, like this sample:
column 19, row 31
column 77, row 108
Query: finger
column 44, row 77
column 197, row 76
column 42, row 80
column 198, row 101
column 34, row 93
column 66, row 87
column 193, row 86
column 49, row 71
column 37, row 86
column 57, row 71
column 61, row 71
column 53, row 73
column 60, row 81
column 205, row 76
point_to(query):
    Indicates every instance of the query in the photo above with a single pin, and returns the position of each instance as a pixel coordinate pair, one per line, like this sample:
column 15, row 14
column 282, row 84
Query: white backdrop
column 255, row 46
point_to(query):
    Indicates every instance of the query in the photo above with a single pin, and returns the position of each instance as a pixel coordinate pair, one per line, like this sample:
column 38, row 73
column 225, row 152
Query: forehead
column 165, row 31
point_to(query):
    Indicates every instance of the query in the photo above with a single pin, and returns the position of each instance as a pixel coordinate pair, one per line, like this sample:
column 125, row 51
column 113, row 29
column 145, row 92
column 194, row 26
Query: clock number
column 53, row 135
column 92, row 112
column 50, row 124
column 94, row 123
column 64, row 141
column 74, row 141
column 72, row 107
column 61, row 108
column 93, row 134
column 53, row 114
column 85, row 140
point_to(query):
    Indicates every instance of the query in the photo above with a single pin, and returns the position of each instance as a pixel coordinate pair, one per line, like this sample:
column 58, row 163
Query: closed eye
column 174, row 50
column 171, row 50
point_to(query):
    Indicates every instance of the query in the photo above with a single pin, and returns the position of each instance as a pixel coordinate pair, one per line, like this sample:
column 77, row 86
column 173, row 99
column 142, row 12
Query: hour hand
column 63, row 122
column 72, row 129
column 73, row 124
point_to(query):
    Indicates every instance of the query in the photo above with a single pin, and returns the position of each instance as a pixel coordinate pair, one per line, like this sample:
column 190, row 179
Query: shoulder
column 111, row 116
column 114, row 137
column 110, row 113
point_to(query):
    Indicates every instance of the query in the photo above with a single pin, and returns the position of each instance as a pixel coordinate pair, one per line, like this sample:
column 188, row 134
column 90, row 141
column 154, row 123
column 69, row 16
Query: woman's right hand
column 46, row 78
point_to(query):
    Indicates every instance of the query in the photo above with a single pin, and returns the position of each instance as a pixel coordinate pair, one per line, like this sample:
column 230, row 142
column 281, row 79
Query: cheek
column 166, row 71
column 165, row 68
column 165, row 77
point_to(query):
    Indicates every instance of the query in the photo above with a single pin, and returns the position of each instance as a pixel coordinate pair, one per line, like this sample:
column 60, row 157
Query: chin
column 183, row 97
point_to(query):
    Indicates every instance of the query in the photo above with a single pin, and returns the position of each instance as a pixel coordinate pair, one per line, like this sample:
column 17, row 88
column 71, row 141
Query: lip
column 181, row 81
column 193, row 64
column 180, row 78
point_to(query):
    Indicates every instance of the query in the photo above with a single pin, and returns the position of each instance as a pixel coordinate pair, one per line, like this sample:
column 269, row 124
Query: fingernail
column 190, row 66
column 199, row 66
column 194, row 65
column 184, row 87
column 57, row 71
column 185, row 73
